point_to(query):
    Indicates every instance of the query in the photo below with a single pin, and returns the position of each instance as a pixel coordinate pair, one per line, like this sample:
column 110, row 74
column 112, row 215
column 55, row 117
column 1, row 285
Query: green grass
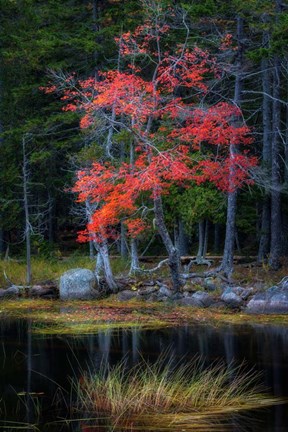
column 44, row 269
column 185, row 397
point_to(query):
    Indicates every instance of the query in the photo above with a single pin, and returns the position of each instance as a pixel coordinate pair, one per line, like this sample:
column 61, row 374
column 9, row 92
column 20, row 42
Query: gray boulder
column 199, row 299
column 274, row 300
column 188, row 301
column 202, row 299
column 78, row 284
column 231, row 298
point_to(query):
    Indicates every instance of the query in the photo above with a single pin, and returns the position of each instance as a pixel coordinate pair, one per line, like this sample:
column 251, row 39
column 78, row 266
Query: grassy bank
column 183, row 396
column 83, row 317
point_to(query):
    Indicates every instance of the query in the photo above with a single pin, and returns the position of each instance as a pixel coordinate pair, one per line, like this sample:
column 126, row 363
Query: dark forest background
column 41, row 146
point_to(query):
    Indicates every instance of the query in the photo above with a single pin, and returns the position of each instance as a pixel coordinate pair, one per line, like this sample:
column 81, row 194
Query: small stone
column 127, row 295
column 210, row 284
column 12, row 291
column 165, row 291
column 188, row 301
column 202, row 299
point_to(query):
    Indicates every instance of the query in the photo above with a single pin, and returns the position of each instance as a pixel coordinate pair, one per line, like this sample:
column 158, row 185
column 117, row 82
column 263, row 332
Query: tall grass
column 162, row 395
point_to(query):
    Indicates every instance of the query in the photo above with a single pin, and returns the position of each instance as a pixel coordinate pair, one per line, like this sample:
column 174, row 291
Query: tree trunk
column 182, row 239
column 276, row 223
column 27, row 216
column 286, row 137
column 201, row 236
column 108, row 274
column 216, row 246
column 173, row 255
column 99, row 264
column 206, row 238
column 227, row 262
column 50, row 219
column 123, row 242
column 264, row 242
column 134, row 267
column 102, row 261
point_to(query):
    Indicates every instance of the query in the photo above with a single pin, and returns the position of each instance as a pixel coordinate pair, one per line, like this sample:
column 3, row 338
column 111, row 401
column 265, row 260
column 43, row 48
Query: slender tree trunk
column 50, row 219
column 123, row 242
column 173, row 255
column 227, row 262
column 201, row 236
column 109, row 278
column 286, row 136
column 276, row 222
column 103, row 259
column 206, row 238
column 26, row 212
column 264, row 242
column 1, row 144
column 95, row 12
column 99, row 264
column 216, row 246
column 182, row 239
column 134, row 267
column 228, row 255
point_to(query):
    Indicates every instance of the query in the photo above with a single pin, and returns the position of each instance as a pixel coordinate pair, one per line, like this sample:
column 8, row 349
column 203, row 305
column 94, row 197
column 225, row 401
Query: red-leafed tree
column 158, row 98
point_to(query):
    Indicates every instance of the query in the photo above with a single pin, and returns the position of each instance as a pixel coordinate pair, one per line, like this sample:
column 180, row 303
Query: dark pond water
column 43, row 366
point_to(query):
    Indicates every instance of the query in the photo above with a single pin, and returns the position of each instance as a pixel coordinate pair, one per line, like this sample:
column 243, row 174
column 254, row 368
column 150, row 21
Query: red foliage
column 170, row 152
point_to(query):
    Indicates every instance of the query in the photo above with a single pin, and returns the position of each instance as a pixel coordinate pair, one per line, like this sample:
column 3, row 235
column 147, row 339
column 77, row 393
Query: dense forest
column 161, row 124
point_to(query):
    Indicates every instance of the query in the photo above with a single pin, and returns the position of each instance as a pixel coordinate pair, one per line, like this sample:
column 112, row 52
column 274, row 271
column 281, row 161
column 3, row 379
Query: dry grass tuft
column 162, row 396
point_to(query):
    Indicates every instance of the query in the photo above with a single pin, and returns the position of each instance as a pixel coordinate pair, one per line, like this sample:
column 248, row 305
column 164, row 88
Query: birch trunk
column 227, row 262
column 134, row 267
column 173, row 255
column 109, row 278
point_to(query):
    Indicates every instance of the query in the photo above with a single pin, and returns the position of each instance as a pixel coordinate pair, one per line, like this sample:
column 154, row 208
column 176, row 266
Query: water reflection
column 40, row 368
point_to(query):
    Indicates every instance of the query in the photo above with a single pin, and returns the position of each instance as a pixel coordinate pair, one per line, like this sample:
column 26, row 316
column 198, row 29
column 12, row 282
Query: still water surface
column 42, row 366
